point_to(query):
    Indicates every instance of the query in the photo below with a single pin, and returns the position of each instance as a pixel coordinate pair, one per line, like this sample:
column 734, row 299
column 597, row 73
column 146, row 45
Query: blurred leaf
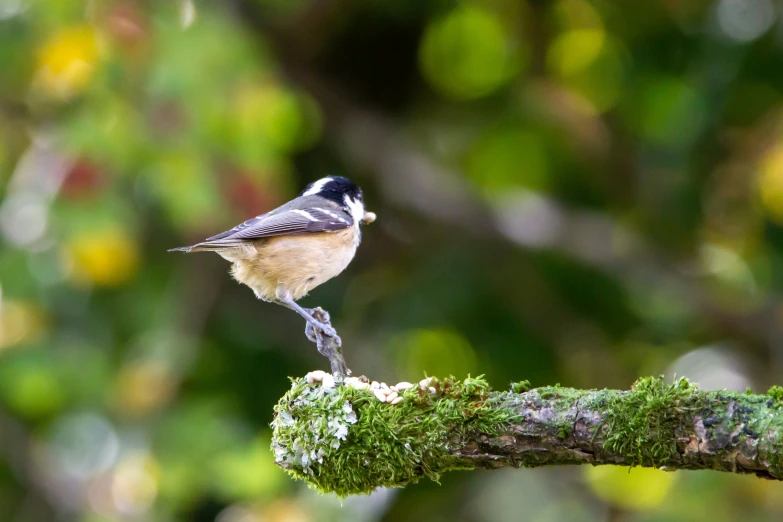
column 507, row 157
column 571, row 15
column 671, row 112
column 143, row 387
column 634, row 488
column 770, row 183
column 107, row 257
column 469, row 54
column 135, row 482
column 20, row 322
column 30, row 385
column 186, row 188
column 247, row 472
column 195, row 432
column 591, row 63
column 67, row 60
column 109, row 132
column 432, row 352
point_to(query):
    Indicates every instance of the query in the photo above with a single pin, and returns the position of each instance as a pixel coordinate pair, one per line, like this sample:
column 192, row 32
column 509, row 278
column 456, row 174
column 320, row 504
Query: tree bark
column 721, row 431
column 464, row 425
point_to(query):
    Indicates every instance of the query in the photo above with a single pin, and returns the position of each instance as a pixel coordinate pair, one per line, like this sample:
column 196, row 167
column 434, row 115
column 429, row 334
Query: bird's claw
column 315, row 334
column 336, row 339
column 325, row 328
column 311, row 333
column 314, row 331
column 320, row 313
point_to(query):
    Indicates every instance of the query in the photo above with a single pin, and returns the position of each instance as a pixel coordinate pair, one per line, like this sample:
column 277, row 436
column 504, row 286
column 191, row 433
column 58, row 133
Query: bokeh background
column 568, row 191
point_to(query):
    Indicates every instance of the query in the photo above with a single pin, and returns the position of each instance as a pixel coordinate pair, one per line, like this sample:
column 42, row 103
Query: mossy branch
column 344, row 440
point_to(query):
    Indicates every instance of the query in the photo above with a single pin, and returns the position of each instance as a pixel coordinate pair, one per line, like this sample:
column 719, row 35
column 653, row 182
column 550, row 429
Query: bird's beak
column 368, row 218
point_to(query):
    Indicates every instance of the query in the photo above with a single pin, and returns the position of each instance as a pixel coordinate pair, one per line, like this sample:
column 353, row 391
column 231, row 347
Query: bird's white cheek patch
column 356, row 208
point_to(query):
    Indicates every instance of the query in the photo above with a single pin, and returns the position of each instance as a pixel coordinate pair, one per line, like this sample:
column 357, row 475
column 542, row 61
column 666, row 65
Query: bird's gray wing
column 289, row 221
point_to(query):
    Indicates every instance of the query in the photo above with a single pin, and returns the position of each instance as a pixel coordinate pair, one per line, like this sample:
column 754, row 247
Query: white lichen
column 318, row 434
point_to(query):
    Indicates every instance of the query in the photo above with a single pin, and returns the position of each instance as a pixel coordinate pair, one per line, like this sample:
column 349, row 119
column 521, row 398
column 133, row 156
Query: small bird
column 285, row 253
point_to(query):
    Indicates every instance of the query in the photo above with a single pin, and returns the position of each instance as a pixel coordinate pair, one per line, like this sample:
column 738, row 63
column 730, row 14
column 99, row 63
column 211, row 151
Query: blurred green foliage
column 571, row 191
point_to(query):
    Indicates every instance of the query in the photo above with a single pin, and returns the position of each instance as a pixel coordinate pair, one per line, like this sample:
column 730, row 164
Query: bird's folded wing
column 288, row 222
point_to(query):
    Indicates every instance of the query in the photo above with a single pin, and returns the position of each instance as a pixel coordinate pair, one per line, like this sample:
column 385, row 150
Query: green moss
column 520, row 387
column 643, row 422
column 776, row 393
column 565, row 431
column 345, row 441
column 551, row 392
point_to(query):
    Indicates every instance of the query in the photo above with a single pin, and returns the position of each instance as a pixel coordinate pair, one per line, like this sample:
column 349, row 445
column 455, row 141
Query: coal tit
column 285, row 253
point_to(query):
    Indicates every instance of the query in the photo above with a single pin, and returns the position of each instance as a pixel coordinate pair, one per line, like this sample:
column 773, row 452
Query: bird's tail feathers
column 187, row 249
column 207, row 246
column 201, row 247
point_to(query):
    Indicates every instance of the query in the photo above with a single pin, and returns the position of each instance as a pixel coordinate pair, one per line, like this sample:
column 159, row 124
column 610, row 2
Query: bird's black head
column 334, row 188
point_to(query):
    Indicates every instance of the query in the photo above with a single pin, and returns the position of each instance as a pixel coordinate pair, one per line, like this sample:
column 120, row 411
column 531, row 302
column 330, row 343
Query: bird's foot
column 326, row 340
column 316, row 335
column 314, row 328
column 329, row 331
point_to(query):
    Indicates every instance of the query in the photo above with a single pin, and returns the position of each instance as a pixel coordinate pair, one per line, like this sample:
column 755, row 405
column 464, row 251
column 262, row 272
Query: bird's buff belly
column 292, row 265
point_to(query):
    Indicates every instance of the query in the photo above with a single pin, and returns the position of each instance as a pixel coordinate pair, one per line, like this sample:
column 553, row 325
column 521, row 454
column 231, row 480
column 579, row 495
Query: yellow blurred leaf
column 728, row 266
column 770, row 183
column 285, row 510
column 67, row 60
column 591, row 64
column 19, row 322
column 135, row 482
column 576, row 14
column 143, row 387
column 634, row 488
column 107, row 257
column 574, row 51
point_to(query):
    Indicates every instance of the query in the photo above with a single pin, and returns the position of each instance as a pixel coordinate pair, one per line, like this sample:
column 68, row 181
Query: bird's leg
column 312, row 321
column 318, row 326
